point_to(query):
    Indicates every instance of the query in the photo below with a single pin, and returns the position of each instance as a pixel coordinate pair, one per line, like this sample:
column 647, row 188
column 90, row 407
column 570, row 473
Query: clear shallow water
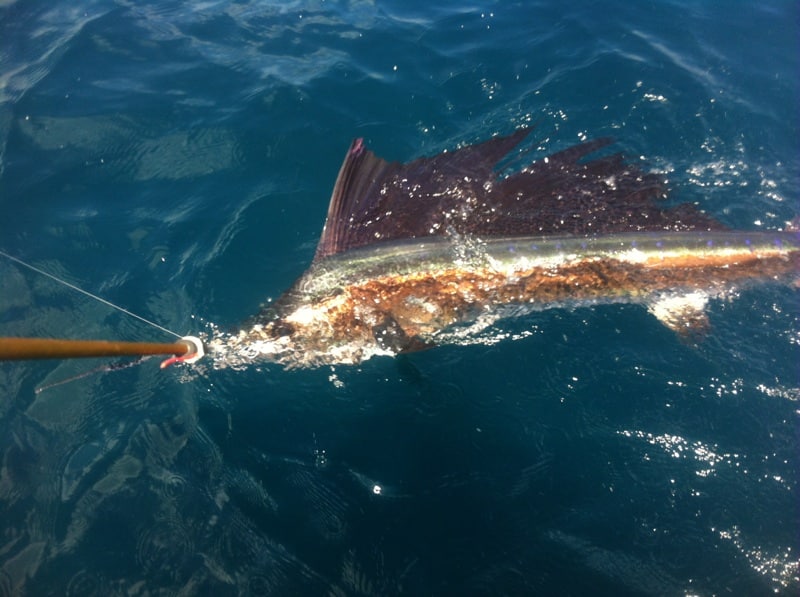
column 179, row 161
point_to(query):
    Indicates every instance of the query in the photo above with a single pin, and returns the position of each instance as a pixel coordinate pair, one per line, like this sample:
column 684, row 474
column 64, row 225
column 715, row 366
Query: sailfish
column 437, row 250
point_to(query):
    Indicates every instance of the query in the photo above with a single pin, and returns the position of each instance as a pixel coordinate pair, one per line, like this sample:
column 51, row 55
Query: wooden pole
column 51, row 348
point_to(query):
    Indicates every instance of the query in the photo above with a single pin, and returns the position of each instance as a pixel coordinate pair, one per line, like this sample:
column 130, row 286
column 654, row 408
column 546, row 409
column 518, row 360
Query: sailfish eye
column 281, row 328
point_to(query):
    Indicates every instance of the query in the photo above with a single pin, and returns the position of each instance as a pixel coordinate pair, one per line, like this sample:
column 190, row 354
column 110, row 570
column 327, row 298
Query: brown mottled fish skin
column 414, row 255
column 424, row 292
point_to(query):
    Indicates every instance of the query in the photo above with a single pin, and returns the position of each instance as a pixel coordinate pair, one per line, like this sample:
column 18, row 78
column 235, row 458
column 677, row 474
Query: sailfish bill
column 436, row 250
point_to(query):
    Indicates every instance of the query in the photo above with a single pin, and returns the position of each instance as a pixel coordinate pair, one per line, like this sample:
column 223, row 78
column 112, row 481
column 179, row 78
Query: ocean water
column 177, row 159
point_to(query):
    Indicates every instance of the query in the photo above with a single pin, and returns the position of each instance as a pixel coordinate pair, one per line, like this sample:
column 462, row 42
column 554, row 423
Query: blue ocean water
column 177, row 159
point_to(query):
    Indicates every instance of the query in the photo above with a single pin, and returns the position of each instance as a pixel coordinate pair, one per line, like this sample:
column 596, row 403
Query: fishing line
column 101, row 369
column 87, row 293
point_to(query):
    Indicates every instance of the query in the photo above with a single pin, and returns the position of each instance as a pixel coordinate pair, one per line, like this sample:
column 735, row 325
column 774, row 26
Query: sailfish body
column 436, row 250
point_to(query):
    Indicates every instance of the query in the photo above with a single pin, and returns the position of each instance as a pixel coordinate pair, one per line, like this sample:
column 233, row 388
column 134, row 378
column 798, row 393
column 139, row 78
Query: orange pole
column 51, row 348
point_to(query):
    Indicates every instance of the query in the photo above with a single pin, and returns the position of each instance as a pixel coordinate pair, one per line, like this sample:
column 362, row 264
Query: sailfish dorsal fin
column 461, row 192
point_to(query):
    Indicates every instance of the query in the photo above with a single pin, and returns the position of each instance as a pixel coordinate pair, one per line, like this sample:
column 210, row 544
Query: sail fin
column 463, row 192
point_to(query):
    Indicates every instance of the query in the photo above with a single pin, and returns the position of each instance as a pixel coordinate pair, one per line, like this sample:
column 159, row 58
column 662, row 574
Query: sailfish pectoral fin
column 390, row 335
column 685, row 314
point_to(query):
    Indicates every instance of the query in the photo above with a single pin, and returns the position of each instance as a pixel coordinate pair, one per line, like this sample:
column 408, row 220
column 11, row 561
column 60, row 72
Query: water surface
column 178, row 159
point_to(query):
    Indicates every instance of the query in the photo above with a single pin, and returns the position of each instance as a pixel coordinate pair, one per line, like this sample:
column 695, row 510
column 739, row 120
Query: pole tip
column 194, row 352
